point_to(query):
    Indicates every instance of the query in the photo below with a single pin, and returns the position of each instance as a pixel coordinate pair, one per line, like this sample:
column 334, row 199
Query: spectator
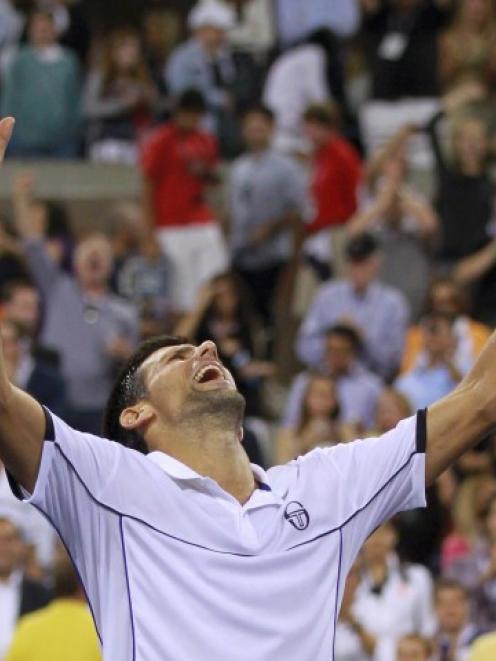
column 437, row 370
column 456, row 630
column 463, row 186
column 118, row 101
column 405, row 225
column 377, row 311
column 29, row 371
column 12, row 263
column 468, row 505
column 179, row 163
column 467, row 46
column 63, row 630
column 49, row 215
column 92, row 330
column 357, row 388
column 223, row 315
column 310, row 73
column 447, row 297
column 392, row 407
column 71, row 23
column 267, row 200
column 207, row 63
column 144, row 280
column 465, row 191
column 476, row 571
column 402, row 46
column 46, row 102
column 160, row 33
column 484, row 648
column 18, row 594
column 335, row 179
column 352, row 642
column 295, row 20
column 21, row 306
column 320, row 422
column 414, row 648
column 394, row 599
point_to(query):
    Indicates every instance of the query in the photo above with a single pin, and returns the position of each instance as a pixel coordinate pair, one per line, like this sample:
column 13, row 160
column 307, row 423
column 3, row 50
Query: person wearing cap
column 205, row 62
column 379, row 313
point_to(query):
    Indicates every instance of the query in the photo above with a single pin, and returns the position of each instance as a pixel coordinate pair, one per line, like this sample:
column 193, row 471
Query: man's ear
column 241, row 434
column 136, row 416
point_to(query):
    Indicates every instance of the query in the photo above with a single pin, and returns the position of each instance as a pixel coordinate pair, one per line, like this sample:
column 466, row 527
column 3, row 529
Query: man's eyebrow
column 186, row 348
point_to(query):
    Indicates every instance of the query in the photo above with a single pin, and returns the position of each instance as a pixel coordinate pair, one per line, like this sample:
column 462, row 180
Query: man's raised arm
column 22, row 421
column 456, row 423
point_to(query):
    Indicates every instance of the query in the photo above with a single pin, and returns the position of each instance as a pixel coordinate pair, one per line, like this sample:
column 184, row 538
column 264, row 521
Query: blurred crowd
column 318, row 198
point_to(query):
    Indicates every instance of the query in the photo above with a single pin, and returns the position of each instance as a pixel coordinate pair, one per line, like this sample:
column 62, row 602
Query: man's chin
column 221, row 401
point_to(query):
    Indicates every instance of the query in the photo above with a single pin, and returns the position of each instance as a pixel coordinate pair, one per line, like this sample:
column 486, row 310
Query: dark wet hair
column 129, row 388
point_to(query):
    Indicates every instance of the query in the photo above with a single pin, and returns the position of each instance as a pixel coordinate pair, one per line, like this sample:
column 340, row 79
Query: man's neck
column 218, row 455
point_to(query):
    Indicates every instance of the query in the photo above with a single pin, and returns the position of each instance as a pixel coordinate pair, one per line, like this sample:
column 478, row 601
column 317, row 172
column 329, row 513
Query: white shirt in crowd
column 176, row 568
column 10, row 596
column 296, row 79
column 404, row 605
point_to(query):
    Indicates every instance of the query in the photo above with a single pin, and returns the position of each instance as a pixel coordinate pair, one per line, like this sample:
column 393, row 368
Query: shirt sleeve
column 374, row 479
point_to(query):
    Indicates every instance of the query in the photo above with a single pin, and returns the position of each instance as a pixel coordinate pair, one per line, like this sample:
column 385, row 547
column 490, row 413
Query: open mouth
column 209, row 374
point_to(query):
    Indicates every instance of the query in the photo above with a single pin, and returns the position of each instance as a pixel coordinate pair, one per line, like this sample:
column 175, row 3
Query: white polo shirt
column 176, row 569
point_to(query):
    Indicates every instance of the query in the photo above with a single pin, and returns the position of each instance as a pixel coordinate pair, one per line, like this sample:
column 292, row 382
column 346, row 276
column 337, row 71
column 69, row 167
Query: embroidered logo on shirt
column 297, row 515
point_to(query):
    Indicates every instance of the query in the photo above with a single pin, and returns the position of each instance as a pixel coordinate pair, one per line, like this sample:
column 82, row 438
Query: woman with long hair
column 319, row 423
column 119, row 98
column 223, row 314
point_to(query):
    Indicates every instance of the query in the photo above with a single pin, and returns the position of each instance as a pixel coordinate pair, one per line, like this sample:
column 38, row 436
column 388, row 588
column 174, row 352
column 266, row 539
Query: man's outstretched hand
column 6, row 128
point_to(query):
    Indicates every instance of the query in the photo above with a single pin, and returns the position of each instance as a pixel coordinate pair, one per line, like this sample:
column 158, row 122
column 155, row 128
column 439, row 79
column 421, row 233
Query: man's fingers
column 6, row 128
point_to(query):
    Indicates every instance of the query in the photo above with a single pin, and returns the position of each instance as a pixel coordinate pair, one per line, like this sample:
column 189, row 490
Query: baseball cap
column 211, row 13
column 361, row 247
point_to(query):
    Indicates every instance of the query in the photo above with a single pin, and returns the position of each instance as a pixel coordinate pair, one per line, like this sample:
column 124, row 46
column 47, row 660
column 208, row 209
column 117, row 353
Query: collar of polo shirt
column 179, row 471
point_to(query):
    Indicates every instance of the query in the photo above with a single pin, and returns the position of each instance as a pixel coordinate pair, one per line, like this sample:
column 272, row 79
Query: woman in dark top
column 465, row 194
column 224, row 315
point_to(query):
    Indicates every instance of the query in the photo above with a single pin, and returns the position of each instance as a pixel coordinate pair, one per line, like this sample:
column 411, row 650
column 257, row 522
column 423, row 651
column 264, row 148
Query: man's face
column 24, row 309
column 11, row 548
column 42, row 31
column 188, row 121
column 211, row 37
column 363, row 272
column 339, row 354
column 185, row 381
column 257, row 131
column 446, row 299
column 438, row 339
column 452, row 609
column 93, row 261
column 316, row 133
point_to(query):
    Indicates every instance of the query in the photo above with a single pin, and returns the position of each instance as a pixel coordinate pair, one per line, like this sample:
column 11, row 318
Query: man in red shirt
column 179, row 163
column 336, row 176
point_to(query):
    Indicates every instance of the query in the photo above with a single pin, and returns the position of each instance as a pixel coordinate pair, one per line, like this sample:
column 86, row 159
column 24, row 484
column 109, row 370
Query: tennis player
column 185, row 550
